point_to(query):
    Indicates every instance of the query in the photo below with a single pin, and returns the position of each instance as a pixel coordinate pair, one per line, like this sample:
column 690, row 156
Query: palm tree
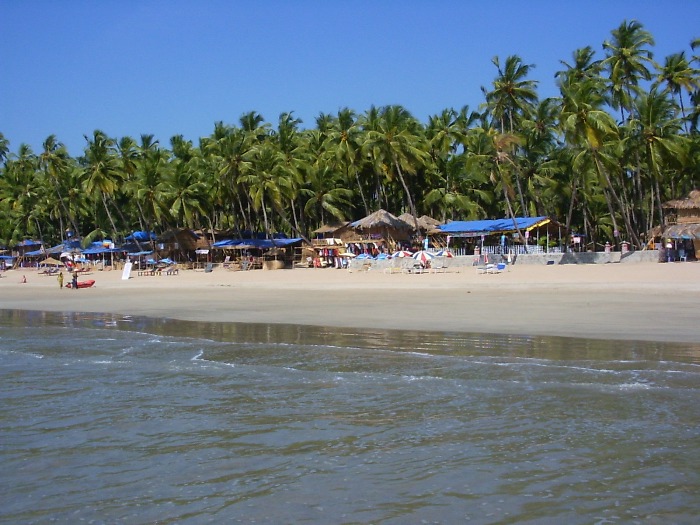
column 628, row 60
column 292, row 162
column 678, row 74
column 103, row 176
column 56, row 163
column 4, row 148
column 345, row 137
column 592, row 131
column 21, row 194
column 185, row 194
column 325, row 194
column 511, row 100
column 264, row 188
column 512, row 96
column 658, row 128
column 397, row 146
column 583, row 67
column 150, row 187
column 493, row 156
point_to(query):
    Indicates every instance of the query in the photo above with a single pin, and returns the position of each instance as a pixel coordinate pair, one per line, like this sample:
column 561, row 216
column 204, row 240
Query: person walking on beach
column 75, row 280
column 60, row 280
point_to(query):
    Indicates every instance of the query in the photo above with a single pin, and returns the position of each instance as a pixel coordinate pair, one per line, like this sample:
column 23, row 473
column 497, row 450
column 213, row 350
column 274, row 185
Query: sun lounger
column 497, row 268
column 484, row 269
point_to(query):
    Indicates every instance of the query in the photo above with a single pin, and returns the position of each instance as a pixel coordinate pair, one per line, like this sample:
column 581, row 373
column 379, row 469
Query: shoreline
column 641, row 301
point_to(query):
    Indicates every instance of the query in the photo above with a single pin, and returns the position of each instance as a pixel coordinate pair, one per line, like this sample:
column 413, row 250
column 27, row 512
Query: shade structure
column 444, row 253
column 402, row 253
column 379, row 219
column 50, row 261
column 423, row 256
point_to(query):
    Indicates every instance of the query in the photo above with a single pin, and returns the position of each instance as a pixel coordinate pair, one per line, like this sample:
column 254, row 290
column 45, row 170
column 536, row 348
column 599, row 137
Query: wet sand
column 644, row 301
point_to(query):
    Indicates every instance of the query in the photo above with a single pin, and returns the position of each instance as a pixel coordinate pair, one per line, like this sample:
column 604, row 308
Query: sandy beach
column 645, row 301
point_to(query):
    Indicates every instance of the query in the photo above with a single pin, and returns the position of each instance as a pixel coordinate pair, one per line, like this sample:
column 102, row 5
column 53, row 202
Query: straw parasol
column 50, row 261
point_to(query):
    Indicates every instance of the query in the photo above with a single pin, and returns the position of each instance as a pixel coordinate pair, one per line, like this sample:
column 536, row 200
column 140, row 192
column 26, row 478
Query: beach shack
column 519, row 235
column 178, row 244
column 683, row 227
column 327, row 245
column 28, row 252
column 379, row 232
column 256, row 251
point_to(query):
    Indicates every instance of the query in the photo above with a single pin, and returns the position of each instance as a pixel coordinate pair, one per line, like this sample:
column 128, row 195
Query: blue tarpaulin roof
column 29, row 242
column 490, row 227
column 141, row 236
column 256, row 243
column 93, row 250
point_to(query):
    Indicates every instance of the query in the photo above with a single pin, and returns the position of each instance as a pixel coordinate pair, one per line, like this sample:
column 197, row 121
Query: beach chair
column 484, row 269
column 497, row 268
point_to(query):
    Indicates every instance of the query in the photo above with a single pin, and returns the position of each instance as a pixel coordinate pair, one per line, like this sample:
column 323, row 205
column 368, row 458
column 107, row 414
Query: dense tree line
column 619, row 140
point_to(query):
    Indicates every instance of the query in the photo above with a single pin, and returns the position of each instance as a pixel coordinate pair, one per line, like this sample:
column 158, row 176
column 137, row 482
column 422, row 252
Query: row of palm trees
column 602, row 157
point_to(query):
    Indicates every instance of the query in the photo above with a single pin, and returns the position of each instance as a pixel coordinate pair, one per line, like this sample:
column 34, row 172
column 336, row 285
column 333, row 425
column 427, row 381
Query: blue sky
column 177, row 67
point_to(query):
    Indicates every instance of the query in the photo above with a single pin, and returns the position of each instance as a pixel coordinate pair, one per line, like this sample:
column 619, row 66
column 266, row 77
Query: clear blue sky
column 130, row 67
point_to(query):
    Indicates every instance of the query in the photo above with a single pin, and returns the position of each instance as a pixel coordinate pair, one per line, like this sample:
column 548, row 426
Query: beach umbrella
column 402, row 253
column 50, row 261
column 444, row 253
column 423, row 256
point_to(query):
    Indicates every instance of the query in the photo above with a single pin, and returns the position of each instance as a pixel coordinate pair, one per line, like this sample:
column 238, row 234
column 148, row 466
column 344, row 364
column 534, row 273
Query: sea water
column 110, row 419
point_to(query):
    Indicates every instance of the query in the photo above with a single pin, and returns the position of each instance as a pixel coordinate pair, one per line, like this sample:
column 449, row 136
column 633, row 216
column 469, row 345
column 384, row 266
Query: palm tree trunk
column 625, row 217
column 408, row 193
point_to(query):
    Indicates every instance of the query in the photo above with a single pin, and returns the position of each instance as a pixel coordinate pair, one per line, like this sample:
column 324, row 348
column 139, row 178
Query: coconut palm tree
column 628, row 60
column 325, row 195
column 594, row 134
column 659, row 129
column 4, row 148
column 512, row 99
column 55, row 163
column 582, row 68
column 345, row 140
column 102, row 174
column 512, row 96
column 677, row 74
column 397, row 147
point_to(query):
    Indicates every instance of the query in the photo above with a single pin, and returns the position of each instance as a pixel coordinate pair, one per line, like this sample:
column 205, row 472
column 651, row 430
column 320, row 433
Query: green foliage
column 567, row 157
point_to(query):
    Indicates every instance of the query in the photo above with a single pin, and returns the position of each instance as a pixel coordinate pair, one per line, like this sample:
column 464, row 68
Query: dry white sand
column 645, row 301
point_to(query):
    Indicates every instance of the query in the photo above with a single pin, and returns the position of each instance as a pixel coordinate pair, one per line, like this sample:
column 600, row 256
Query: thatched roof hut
column 425, row 222
column 687, row 221
column 691, row 202
column 382, row 225
column 380, row 219
column 183, row 239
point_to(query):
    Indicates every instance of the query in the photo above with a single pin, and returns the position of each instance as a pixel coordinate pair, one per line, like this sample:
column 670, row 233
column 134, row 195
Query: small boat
column 82, row 284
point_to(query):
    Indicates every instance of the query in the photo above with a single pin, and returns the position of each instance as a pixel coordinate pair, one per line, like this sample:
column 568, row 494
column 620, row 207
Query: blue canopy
column 29, row 242
column 256, row 243
column 141, row 236
column 100, row 249
column 491, row 227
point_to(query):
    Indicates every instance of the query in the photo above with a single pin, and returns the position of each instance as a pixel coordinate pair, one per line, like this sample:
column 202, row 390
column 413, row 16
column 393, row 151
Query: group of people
column 74, row 280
